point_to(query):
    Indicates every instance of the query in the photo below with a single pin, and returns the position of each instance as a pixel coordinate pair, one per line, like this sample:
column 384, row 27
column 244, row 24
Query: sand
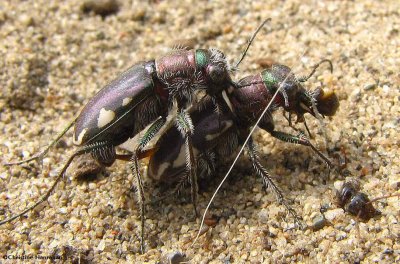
column 55, row 57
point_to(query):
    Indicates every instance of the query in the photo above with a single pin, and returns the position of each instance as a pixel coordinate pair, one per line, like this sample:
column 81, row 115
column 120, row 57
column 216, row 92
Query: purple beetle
column 146, row 91
column 218, row 137
column 144, row 95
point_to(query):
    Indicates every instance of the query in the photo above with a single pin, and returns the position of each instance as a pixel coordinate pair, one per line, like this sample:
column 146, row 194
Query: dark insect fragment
column 355, row 202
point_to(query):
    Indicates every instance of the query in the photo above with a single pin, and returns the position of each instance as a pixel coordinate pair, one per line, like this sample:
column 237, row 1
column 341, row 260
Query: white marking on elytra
column 226, row 124
column 126, row 101
column 105, row 117
column 179, row 162
column 161, row 169
column 78, row 140
column 181, row 159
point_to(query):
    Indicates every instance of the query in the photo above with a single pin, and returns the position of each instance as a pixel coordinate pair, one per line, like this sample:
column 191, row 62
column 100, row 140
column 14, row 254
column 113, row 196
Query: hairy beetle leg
column 138, row 185
column 185, row 126
column 269, row 183
column 289, row 119
column 302, row 140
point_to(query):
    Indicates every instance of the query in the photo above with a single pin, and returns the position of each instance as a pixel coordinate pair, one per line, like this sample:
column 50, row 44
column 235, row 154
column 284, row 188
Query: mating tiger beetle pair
column 206, row 132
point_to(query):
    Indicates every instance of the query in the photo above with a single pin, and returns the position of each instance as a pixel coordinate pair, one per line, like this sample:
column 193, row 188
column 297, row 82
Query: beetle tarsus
column 302, row 140
column 185, row 126
column 147, row 137
column 190, row 161
column 140, row 197
column 269, row 183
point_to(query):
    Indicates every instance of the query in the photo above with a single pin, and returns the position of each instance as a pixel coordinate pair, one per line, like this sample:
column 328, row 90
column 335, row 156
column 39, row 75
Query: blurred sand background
column 55, row 55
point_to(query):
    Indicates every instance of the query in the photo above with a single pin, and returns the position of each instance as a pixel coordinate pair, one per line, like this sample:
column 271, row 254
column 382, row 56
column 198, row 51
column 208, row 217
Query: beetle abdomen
column 251, row 99
column 212, row 133
column 111, row 115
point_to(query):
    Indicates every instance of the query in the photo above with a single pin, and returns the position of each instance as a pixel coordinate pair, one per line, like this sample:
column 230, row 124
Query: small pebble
column 184, row 229
column 394, row 181
column 99, row 232
column 331, row 215
column 263, row 216
column 102, row 245
column 319, row 222
column 26, row 20
column 95, row 211
column 100, row 7
column 138, row 14
column 173, row 258
column 370, row 86
column 63, row 210
column 386, row 89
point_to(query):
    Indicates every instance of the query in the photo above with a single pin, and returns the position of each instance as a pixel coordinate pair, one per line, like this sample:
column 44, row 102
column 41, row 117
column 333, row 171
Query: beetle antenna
column 40, row 155
column 249, row 43
column 239, row 153
column 384, row 197
column 311, row 98
column 308, row 130
column 305, row 78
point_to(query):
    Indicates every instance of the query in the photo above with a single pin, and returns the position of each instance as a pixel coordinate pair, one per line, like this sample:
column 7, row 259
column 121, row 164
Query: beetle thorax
column 178, row 72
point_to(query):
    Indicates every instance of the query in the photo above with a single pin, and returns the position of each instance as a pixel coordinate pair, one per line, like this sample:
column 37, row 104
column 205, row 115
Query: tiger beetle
column 143, row 96
column 218, row 137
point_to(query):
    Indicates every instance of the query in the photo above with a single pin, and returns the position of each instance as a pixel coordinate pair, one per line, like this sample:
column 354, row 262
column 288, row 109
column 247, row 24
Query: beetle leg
column 185, row 126
column 83, row 150
column 289, row 119
column 267, row 124
column 206, row 164
column 148, row 135
column 308, row 130
column 302, row 140
column 141, row 155
column 285, row 97
column 269, row 183
column 140, row 196
column 105, row 156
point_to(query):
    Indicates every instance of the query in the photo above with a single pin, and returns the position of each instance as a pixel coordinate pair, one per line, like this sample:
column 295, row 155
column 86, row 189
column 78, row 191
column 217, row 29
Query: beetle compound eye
column 216, row 73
